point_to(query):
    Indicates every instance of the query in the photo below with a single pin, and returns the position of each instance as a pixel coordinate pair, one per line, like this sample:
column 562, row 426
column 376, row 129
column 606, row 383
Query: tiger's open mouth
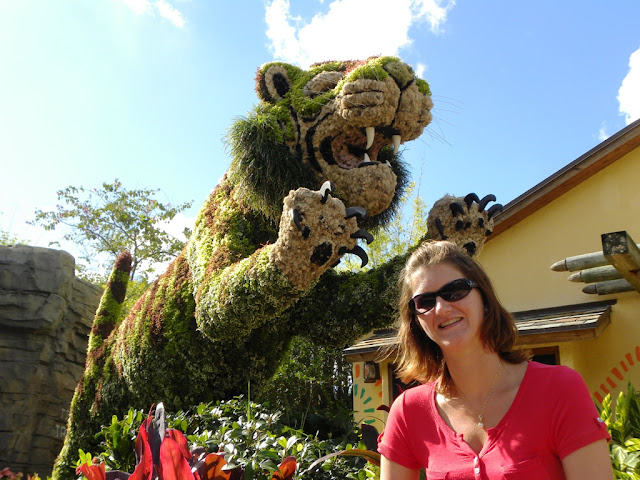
column 359, row 148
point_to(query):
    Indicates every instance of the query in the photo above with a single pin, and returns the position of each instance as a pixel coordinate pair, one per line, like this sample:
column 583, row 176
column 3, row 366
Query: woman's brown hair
column 420, row 358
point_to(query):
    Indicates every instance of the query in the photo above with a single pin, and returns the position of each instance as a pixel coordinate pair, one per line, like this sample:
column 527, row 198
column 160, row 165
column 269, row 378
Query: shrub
column 245, row 438
column 9, row 475
column 624, row 428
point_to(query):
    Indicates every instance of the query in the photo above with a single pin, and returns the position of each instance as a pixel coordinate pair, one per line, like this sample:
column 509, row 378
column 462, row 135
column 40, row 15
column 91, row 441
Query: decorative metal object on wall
column 371, row 372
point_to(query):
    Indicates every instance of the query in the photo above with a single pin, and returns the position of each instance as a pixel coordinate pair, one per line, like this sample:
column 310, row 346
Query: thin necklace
column 486, row 401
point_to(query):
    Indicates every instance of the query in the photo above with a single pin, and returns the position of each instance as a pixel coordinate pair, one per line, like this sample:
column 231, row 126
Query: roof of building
column 535, row 327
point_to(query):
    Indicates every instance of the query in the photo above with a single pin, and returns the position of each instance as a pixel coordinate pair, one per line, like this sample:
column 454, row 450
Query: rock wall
column 45, row 318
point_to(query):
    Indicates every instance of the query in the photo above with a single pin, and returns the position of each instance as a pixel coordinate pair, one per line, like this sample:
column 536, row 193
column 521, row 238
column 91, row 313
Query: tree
column 113, row 219
column 8, row 239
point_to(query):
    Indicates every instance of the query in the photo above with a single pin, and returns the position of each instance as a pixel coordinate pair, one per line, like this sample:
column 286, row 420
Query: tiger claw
column 443, row 236
column 456, row 209
column 363, row 234
column 359, row 212
column 325, row 190
column 296, row 217
column 494, row 210
column 470, row 198
column 483, row 203
column 359, row 251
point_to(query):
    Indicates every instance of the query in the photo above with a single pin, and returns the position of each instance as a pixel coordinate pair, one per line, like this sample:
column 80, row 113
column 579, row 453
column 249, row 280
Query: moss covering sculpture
column 257, row 270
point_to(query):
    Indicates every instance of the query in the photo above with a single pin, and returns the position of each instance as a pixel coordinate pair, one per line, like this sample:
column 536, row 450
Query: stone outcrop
column 45, row 318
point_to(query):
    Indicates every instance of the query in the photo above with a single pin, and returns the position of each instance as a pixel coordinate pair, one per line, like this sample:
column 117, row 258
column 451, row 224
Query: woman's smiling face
column 452, row 325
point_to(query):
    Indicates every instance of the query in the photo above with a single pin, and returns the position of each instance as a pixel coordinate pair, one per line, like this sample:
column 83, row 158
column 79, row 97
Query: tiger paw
column 463, row 220
column 316, row 230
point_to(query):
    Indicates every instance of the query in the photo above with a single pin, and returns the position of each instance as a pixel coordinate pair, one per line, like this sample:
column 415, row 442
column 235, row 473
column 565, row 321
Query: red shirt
column 551, row 416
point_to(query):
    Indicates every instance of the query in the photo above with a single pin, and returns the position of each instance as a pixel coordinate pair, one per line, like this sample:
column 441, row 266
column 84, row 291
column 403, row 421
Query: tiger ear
column 273, row 82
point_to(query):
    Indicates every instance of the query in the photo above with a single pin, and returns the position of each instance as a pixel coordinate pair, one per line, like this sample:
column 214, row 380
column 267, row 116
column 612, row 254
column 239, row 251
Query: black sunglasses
column 451, row 292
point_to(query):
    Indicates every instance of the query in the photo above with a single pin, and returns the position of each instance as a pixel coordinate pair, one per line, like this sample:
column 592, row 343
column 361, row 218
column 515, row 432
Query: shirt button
column 475, row 460
column 476, row 470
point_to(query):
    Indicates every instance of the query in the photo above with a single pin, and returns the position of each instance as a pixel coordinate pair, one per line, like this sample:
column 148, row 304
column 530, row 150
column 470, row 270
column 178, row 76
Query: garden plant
column 246, row 442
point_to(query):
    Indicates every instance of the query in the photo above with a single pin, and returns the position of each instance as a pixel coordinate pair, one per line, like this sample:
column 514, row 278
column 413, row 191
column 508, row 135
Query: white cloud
column 629, row 93
column 350, row 29
column 420, row 69
column 160, row 7
column 602, row 133
column 139, row 6
column 176, row 226
column 169, row 12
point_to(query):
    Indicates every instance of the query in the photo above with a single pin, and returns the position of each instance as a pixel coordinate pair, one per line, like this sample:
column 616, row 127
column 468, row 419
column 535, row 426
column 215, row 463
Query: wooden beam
column 596, row 274
column 579, row 262
column 621, row 252
column 609, row 287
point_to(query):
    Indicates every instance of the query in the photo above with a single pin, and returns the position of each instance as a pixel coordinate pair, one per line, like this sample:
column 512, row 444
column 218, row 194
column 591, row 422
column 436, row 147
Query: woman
column 483, row 411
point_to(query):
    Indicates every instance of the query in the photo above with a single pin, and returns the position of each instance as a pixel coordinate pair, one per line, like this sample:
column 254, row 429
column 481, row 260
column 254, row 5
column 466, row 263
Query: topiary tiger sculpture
column 225, row 311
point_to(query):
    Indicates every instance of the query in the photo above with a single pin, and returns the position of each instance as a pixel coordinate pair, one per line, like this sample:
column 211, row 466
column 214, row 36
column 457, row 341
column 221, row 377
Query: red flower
column 211, row 469
column 92, row 472
column 286, row 469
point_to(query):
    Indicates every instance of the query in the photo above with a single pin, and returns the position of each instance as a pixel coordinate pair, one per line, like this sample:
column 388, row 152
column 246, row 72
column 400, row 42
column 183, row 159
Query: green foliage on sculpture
column 312, row 389
column 324, row 123
column 257, row 268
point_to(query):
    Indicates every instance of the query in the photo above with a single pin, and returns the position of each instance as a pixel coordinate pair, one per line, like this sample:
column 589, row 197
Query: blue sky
column 144, row 90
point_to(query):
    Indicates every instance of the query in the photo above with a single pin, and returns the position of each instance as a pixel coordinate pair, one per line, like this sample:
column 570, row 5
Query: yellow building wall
column 367, row 397
column 518, row 262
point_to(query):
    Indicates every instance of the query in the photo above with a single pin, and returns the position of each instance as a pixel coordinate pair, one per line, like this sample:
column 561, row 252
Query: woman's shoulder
column 558, row 376
column 416, row 396
column 555, row 370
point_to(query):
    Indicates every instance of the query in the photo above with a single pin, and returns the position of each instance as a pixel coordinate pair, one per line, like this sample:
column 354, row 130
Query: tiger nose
column 401, row 73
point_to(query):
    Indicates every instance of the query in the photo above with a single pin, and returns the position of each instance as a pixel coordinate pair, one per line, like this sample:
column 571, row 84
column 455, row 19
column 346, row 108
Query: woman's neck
column 473, row 374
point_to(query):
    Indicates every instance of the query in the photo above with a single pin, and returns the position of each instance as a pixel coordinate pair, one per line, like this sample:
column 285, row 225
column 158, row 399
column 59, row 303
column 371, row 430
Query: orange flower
column 286, row 469
column 92, row 472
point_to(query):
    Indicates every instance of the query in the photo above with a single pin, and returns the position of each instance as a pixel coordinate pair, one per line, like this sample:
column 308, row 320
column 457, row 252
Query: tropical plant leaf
column 605, row 409
column 181, row 441
column 370, row 437
column 173, row 464
column 144, row 468
column 633, row 412
column 372, row 457
column 632, row 444
column 117, row 475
